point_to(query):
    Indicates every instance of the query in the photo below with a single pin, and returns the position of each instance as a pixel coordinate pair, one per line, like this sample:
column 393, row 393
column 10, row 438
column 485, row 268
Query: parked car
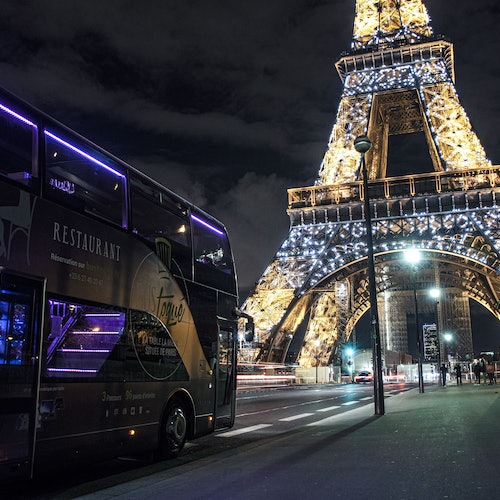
column 363, row 378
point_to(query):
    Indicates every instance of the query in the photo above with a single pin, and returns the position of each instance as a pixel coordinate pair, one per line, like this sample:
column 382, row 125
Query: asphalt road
column 267, row 420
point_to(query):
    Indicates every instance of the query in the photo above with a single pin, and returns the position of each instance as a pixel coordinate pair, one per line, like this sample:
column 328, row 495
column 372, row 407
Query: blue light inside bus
column 82, row 153
column 15, row 115
column 206, row 224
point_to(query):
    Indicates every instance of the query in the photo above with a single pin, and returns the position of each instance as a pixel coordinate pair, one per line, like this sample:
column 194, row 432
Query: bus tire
column 174, row 429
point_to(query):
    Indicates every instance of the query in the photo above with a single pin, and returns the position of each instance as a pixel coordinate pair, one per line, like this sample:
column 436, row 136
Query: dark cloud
column 228, row 103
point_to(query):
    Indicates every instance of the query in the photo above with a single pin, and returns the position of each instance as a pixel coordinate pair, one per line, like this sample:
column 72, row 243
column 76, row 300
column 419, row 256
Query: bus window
column 18, row 147
column 152, row 354
column 80, row 338
column 105, row 343
column 82, row 181
column 163, row 222
column 213, row 259
column 14, row 333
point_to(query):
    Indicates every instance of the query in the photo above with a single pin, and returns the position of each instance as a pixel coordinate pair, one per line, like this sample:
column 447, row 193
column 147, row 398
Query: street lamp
column 362, row 144
column 350, row 363
column 413, row 256
column 447, row 337
column 435, row 293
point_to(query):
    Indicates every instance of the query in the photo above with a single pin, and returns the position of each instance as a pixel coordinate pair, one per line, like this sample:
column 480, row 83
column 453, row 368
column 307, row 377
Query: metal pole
column 438, row 340
column 419, row 334
column 362, row 144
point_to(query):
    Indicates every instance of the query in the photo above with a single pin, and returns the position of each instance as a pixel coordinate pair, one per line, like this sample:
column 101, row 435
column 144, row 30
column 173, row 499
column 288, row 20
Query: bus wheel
column 174, row 429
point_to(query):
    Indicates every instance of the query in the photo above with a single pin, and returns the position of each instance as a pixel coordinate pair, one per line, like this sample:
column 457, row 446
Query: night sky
column 228, row 103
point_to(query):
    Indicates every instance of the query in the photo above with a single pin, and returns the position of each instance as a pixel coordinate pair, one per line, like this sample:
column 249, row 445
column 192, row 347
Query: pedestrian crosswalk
column 361, row 402
column 244, row 430
column 295, row 417
column 329, row 408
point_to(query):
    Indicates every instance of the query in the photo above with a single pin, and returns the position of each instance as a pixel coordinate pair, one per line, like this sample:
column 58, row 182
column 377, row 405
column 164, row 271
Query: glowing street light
column 350, row 362
column 362, row 144
column 435, row 293
column 413, row 257
column 447, row 337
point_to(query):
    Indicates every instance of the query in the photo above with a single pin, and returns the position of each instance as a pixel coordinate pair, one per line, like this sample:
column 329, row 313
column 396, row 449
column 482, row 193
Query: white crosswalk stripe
column 295, row 417
column 244, row 430
column 329, row 408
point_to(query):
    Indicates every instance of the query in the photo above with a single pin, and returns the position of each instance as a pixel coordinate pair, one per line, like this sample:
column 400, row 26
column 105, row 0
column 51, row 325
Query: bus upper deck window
column 211, row 245
column 18, row 146
column 163, row 222
column 212, row 254
column 90, row 183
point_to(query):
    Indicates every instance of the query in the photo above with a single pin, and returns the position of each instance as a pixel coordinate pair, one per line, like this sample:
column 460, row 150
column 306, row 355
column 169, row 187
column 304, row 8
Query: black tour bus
column 118, row 303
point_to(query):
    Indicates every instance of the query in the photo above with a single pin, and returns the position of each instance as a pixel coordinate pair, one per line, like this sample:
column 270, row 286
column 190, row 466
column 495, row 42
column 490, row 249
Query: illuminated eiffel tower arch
column 398, row 79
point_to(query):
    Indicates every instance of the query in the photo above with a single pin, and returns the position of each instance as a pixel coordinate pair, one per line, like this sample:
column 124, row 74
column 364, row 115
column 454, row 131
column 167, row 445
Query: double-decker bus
column 118, row 303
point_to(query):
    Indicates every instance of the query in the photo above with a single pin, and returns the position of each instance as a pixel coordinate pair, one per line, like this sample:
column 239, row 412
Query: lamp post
column 435, row 293
column 447, row 337
column 413, row 257
column 350, row 363
column 362, row 144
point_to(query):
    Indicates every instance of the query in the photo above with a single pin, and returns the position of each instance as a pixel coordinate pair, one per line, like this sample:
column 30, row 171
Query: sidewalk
column 444, row 443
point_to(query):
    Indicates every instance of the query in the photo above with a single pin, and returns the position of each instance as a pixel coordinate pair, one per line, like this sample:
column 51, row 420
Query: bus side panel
column 96, row 420
column 92, row 261
column 83, row 258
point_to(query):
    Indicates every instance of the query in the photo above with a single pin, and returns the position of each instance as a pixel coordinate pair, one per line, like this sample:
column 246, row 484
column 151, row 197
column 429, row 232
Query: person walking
column 490, row 371
column 483, row 369
column 458, row 373
column 444, row 371
column 477, row 371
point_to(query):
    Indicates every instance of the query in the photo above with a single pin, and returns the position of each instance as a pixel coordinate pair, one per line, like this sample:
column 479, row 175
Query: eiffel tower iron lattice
column 398, row 79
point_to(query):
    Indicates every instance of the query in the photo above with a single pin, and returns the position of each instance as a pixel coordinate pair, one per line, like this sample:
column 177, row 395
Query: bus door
column 21, row 312
column 226, row 376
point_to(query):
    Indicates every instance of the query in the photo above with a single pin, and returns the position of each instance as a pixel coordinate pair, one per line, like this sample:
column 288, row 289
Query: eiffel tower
column 398, row 79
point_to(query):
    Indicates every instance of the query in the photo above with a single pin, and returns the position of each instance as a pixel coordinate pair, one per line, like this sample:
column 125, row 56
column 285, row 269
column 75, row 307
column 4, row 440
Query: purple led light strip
column 206, row 224
column 75, row 332
column 71, row 370
column 103, row 315
column 15, row 115
column 84, row 350
column 82, row 153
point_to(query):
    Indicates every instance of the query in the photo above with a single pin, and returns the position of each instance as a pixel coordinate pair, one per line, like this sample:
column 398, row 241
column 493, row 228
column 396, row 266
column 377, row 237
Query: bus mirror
column 249, row 331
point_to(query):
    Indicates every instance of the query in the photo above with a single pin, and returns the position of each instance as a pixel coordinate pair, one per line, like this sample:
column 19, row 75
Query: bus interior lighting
column 103, row 315
column 68, row 349
column 206, row 224
column 70, row 370
column 82, row 153
column 15, row 115
column 83, row 332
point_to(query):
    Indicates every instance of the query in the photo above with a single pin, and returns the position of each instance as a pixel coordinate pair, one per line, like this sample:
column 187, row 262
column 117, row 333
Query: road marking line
column 295, row 417
column 329, row 408
column 350, row 403
column 347, row 416
column 244, row 430
column 366, row 399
